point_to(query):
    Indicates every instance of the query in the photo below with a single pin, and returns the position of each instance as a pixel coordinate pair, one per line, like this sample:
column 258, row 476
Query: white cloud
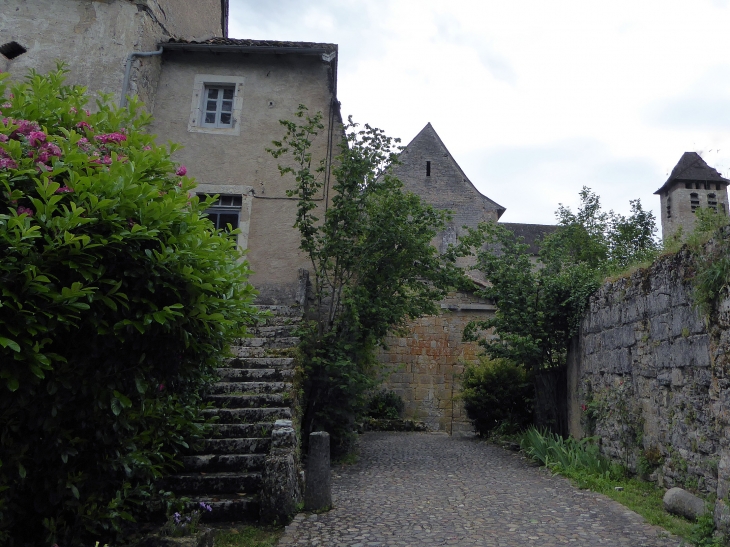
column 534, row 99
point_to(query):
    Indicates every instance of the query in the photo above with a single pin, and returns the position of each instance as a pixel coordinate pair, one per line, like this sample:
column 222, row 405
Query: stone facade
column 692, row 184
column 424, row 366
column 650, row 380
column 94, row 38
column 271, row 79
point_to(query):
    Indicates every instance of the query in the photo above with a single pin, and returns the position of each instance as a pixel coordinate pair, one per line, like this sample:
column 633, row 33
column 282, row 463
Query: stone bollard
column 318, row 491
column 680, row 502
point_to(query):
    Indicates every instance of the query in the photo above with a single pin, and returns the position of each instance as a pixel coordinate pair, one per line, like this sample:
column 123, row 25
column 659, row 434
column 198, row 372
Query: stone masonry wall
column 649, row 378
column 424, row 366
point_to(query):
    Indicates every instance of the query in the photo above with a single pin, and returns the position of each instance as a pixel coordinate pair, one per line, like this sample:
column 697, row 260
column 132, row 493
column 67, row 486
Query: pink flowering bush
column 117, row 300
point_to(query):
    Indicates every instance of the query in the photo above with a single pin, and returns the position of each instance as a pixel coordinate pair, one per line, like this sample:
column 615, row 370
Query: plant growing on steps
column 117, row 300
column 372, row 265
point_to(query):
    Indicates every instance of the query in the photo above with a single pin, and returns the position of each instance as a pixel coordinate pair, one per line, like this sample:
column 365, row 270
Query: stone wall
column 649, row 378
column 424, row 366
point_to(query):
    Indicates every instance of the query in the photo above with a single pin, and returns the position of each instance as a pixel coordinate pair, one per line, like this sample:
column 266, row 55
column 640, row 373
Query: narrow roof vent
column 12, row 49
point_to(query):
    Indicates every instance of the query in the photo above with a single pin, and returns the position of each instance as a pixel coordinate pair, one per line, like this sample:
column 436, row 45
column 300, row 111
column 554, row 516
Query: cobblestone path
column 421, row 489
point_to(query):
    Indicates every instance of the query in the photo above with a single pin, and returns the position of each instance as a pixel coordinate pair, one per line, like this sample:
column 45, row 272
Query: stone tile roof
column 692, row 167
column 263, row 44
column 530, row 233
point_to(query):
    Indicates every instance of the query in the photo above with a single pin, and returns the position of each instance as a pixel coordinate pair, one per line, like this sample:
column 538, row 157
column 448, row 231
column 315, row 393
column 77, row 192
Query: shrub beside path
column 424, row 489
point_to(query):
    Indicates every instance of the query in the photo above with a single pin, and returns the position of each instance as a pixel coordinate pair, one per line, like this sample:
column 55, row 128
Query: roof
column 692, row 167
column 251, row 46
column 530, row 233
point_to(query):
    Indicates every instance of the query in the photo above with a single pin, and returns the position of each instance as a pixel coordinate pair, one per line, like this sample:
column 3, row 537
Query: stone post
column 318, row 491
column 280, row 488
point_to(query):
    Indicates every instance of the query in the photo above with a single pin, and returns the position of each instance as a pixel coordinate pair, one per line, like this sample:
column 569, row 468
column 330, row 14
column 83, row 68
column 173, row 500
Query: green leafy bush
column 495, row 391
column 386, row 405
column 117, row 299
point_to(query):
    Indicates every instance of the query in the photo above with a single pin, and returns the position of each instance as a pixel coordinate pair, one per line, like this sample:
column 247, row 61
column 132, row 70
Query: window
column 217, row 105
column 428, row 168
column 694, row 201
column 688, row 185
column 11, row 50
column 669, row 207
column 712, row 201
column 226, row 210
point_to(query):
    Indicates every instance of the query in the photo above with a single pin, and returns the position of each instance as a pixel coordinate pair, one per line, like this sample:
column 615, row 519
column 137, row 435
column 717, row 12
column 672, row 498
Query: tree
column 372, row 264
column 539, row 309
column 117, row 300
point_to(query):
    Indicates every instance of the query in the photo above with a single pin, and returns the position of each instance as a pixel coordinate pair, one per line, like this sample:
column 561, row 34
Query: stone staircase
column 254, row 402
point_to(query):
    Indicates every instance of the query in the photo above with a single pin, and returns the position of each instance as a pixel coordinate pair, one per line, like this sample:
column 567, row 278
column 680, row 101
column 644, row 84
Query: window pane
column 226, row 119
column 213, row 218
column 228, row 93
column 211, row 106
column 210, row 117
column 227, row 106
column 237, row 201
column 212, row 93
column 228, row 218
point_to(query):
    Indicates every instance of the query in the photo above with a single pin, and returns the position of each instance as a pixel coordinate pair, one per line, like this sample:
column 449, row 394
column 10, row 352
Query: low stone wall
column 423, row 367
column 649, row 378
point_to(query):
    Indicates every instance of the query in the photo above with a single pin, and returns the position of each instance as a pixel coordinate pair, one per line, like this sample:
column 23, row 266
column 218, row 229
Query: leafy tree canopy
column 117, row 299
column 539, row 307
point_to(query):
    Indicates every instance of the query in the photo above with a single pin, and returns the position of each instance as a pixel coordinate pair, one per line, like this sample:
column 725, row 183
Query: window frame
column 202, row 83
column 220, row 105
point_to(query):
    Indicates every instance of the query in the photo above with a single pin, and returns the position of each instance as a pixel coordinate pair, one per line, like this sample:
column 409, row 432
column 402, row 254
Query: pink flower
column 43, row 157
column 3, row 137
column 181, row 171
column 583, row 407
column 147, row 147
column 82, row 140
column 52, row 148
column 130, row 222
column 87, row 112
column 24, row 210
column 8, row 163
column 106, row 160
column 64, row 190
column 7, row 105
column 83, row 125
column 161, row 387
column 115, row 138
column 73, row 110
column 40, row 167
column 36, row 137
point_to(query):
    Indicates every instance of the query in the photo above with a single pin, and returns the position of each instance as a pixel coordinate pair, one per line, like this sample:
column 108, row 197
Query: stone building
column 423, row 367
column 692, row 184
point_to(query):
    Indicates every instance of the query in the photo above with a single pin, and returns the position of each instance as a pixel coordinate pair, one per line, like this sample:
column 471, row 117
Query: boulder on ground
column 680, row 502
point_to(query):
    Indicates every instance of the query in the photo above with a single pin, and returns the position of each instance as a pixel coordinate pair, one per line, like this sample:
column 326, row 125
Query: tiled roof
column 692, row 167
column 263, row 44
column 530, row 233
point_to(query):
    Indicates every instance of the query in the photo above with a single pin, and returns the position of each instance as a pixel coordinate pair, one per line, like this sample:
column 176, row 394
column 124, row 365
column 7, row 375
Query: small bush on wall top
column 497, row 391
column 117, row 299
column 386, row 405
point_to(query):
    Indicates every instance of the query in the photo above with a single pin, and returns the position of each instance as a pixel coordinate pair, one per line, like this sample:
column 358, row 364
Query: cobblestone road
column 420, row 489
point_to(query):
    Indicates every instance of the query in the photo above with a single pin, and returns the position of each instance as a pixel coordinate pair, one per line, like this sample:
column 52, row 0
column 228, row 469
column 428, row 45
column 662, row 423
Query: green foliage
column 386, row 405
column 248, row 536
column 712, row 263
column 539, row 308
column 496, row 392
column 117, row 299
column 702, row 534
column 563, row 455
column 372, row 264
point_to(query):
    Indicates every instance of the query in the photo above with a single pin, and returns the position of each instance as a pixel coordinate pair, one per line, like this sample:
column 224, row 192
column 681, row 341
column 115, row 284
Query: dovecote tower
column 691, row 185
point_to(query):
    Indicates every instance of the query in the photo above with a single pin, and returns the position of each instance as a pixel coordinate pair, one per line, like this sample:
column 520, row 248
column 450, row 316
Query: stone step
column 211, row 463
column 248, row 415
column 280, row 320
column 256, row 374
column 246, row 351
column 273, row 331
column 244, row 445
column 260, row 362
column 272, row 343
column 228, row 508
column 239, row 400
column 221, row 388
column 236, row 431
column 214, row 483
column 282, row 311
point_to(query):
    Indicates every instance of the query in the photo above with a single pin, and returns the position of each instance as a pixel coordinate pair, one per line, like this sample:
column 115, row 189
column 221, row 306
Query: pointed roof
column 428, row 142
column 692, row 167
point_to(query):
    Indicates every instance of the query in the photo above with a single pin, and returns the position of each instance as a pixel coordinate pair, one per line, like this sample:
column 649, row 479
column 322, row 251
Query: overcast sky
column 534, row 99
